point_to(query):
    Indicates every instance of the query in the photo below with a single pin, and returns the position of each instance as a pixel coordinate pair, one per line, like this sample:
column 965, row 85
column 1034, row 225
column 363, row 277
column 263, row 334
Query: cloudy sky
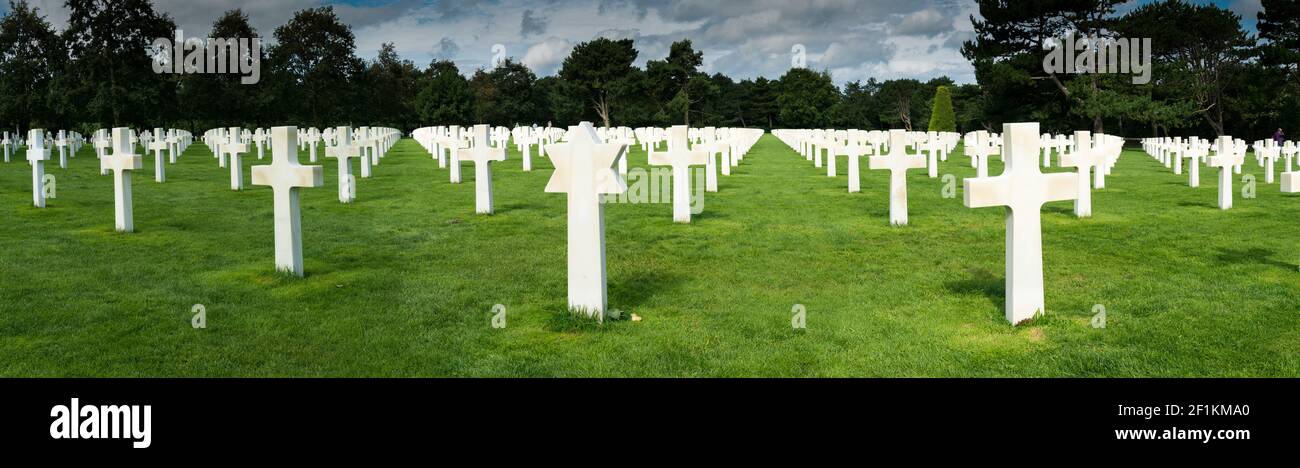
column 854, row 39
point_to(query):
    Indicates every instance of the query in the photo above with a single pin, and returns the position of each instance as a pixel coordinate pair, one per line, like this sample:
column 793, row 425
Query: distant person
column 1279, row 137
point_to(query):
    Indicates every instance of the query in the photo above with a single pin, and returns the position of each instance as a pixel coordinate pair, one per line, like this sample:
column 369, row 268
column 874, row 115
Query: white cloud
column 855, row 40
column 545, row 57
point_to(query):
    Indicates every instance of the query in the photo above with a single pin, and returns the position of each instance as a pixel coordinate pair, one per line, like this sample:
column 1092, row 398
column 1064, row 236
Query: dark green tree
column 676, row 77
column 504, row 95
column 942, row 117
column 1202, row 50
column 1007, row 53
column 444, row 97
column 110, row 45
column 598, row 72
column 805, row 98
column 221, row 100
column 1279, row 27
column 901, row 102
column 31, row 53
column 390, row 84
column 315, row 62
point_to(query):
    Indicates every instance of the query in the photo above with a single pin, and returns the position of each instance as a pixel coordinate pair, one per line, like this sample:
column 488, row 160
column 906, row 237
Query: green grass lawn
column 402, row 282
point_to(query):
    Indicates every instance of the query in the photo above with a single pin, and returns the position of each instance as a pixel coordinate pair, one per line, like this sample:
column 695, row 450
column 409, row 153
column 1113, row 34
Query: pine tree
column 942, row 118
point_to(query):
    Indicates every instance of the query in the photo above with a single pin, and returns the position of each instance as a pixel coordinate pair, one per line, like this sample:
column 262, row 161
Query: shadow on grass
column 1252, row 255
column 1198, row 204
column 985, row 283
column 560, row 319
column 1063, row 209
column 627, row 292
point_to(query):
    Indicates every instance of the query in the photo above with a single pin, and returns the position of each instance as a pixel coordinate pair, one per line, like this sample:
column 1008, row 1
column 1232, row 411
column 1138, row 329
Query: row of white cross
column 1229, row 154
column 587, row 166
column 68, row 143
column 368, row 144
column 589, row 163
column 482, row 145
column 1022, row 187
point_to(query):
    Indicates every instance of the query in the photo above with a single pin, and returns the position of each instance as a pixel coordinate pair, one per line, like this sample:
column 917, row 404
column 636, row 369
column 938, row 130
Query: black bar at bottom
column 424, row 414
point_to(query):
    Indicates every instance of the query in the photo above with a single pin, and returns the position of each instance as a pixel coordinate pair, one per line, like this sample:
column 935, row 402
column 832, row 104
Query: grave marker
column 37, row 154
column 483, row 154
column 1023, row 190
column 584, row 169
column 158, row 145
column 342, row 150
column 121, row 163
column 285, row 176
column 897, row 161
column 681, row 157
column 233, row 148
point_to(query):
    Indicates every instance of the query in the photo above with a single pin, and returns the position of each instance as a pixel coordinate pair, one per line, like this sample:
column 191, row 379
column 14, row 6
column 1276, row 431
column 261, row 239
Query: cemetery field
column 402, row 282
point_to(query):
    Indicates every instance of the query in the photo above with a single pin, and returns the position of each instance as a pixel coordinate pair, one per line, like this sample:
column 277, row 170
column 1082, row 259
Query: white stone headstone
column 681, row 157
column 62, row 143
column 233, row 149
column 483, row 154
column 453, row 158
column 37, row 154
column 285, row 176
column 158, row 145
column 584, row 169
column 1023, row 190
column 1084, row 158
column 342, row 150
column 853, row 149
column 1225, row 159
column 121, row 163
column 897, row 162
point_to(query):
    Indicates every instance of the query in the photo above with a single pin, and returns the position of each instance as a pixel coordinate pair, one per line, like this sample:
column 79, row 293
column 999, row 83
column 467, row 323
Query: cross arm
column 984, row 192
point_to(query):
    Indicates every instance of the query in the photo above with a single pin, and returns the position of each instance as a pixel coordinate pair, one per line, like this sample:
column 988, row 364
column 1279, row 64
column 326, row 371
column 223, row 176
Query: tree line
column 1211, row 77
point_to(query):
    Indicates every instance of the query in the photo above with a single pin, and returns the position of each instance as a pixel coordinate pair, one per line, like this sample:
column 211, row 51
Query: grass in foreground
column 402, row 282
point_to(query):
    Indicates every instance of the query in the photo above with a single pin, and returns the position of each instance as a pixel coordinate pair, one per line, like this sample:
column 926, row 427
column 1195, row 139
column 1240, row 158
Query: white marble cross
column 259, row 139
column 174, row 145
column 121, row 163
column 1290, row 179
column 1288, row 152
column 932, row 146
column 1225, row 159
column 1268, row 152
column 453, row 158
column 710, row 163
column 343, row 149
column 1022, row 189
column 853, row 149
column 681, row 157
column 362, row 141
column 525, row 144
column 233, row 148
column 158, row 145
column 584, row 169
column 37, row 154
column 832, row 142
column 483, row 154
column 312, row 140
column 897, row 161
column 979, row 150
column 285, row 176
column 222, row 139
column 1085, row 157
column 61, row 141
column 1176, row 154
column 1195, row 151
column 720, row 142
